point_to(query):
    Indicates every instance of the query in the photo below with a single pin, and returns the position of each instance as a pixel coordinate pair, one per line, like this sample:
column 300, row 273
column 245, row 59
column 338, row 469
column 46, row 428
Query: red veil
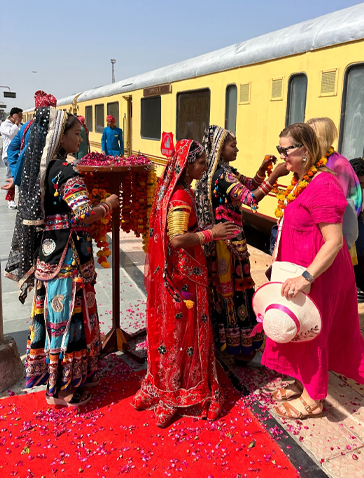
column 181, row 357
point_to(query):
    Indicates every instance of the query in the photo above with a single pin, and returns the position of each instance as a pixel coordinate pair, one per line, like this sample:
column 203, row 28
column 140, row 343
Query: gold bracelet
column 201, row 237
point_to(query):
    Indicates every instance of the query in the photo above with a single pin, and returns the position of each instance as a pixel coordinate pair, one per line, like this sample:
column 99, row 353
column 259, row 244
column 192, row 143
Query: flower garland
column 274, row 189
column 296, row 187
column 330, row 151
column 151, row 188
column 136, row 194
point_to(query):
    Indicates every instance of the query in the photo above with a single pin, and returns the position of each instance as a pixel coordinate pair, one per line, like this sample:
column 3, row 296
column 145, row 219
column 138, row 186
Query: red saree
column 181, row 360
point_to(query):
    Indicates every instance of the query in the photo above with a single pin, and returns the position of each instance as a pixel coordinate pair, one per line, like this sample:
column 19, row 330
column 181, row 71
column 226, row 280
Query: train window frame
column 188, row 92
column 143, row 134
column 117, row 117
column 226, row 104
column 343, row 105
column 100, row 129
column 89, row 119
column 289, row 97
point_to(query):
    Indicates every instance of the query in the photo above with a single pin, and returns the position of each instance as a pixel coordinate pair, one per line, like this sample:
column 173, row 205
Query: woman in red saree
column 181, row 372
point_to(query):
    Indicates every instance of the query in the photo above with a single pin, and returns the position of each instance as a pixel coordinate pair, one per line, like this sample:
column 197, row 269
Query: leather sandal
column 294, row 414
column 76, row 400
column 283, row 392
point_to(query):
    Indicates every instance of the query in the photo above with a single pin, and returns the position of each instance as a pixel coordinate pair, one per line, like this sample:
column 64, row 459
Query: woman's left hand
column 292, row 287
column 267, row 161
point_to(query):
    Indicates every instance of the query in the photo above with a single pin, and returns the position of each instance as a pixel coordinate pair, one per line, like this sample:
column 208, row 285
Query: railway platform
column 329, row 446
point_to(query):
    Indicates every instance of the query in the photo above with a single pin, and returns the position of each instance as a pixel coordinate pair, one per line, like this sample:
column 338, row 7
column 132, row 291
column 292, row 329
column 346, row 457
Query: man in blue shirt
column 19, row 143
column 112, row 138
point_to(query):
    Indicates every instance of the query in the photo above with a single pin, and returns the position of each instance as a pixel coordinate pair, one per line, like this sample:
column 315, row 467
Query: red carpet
column 108, row 438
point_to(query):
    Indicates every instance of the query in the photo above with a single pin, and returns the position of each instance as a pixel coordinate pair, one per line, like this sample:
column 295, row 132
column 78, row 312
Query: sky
column 64, row 47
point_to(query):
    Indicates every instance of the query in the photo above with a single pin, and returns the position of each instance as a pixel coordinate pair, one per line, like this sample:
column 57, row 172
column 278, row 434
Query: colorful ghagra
column 181, row 363
column 219, row 196
column 229, row 266
column 64, row 341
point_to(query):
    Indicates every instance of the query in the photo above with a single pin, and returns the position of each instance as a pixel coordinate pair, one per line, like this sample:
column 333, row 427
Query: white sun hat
column 283, row 320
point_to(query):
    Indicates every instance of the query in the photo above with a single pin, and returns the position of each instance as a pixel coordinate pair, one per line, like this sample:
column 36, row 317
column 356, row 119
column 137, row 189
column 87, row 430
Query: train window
column 231, row 103
column 88, row 118
column 150, row 118
column 193, row 114
column 113, row 109
column 296, row 101
column 351, row 144
column 99, row 118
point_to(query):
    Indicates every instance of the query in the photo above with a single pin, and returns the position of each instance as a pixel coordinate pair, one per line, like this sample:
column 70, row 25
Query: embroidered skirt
column 232, row 290
column 64, row 340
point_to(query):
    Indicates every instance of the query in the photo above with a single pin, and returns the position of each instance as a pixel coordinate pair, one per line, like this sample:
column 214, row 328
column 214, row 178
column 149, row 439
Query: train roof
column 334, row 28
column 68, row 99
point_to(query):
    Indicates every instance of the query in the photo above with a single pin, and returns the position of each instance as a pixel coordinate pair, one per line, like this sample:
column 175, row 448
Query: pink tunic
column 340, row 346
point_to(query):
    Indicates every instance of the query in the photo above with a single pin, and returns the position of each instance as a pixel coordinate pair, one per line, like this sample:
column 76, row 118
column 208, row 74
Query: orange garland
column 296, row 187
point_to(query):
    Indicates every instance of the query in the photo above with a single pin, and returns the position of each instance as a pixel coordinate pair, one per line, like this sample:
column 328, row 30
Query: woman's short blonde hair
column 325, row 130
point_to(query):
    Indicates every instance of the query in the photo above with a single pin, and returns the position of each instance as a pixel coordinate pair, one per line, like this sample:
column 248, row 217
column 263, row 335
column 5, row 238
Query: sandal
column 76, row 400
column 283, row 392
column 292, row 412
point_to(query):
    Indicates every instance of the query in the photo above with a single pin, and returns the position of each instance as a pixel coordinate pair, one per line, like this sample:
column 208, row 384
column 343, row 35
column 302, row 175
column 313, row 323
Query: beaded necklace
column 296, row 187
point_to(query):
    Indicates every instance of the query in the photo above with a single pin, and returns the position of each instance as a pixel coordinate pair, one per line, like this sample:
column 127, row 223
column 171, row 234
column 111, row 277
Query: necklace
column 330, row 151
column 296, row 187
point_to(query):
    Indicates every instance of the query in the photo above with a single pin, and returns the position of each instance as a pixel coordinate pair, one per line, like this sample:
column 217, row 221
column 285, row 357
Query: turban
column 42, row 99
column 81, row 119
column 110, row 119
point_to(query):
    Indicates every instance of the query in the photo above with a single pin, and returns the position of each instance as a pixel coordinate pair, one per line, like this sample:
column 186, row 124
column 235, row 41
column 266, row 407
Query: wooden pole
column 117, row 339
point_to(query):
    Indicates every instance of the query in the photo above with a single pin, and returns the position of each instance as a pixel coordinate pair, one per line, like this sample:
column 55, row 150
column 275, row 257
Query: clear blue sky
column 69, row 43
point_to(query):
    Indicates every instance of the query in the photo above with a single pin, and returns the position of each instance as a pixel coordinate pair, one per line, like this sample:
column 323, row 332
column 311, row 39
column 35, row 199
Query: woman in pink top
column 312, row 237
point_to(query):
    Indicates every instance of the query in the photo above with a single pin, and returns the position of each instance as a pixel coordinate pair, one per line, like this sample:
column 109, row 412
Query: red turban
column 42, row 99
column 110, row 119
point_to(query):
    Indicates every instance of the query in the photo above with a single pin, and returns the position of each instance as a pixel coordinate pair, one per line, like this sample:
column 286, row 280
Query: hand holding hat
column 283, row 320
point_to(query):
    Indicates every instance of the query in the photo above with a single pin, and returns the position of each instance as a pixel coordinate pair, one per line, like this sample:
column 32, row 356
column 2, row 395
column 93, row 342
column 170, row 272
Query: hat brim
column 302, row 306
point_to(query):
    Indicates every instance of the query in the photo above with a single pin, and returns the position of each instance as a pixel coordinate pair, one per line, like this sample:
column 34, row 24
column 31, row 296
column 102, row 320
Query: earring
column 305, row 159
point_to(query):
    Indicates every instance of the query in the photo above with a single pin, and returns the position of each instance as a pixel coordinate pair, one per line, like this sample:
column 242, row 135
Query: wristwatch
column 308, row 276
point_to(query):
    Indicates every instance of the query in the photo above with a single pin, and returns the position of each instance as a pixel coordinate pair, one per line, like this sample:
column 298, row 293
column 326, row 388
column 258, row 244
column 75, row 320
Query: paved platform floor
column 335, row 442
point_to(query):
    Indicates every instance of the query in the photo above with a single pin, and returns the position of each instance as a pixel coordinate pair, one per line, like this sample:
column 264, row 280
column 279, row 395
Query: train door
column 127, row 126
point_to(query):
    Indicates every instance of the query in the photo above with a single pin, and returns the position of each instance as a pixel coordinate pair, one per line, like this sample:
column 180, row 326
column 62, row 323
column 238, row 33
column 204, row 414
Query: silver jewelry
column 304, row 159
column 291, row 292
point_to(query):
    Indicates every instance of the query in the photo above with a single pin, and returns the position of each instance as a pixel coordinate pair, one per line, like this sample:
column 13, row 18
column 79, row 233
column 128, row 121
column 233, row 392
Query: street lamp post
column 112, row 70
column 8, row 94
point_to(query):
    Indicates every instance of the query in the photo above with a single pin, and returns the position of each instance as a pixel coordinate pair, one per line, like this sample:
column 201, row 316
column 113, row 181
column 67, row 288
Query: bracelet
column 206, row 236
column 265, row 188
column 260, row 177
column 106, row 208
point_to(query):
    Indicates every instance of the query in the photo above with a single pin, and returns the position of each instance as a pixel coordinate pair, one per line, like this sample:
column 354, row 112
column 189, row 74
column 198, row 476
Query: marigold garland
column 136, row 195
column 296, row 187
column 274, row 189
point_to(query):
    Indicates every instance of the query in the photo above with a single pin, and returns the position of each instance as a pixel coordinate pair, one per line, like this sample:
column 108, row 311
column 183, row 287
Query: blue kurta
column 112, row 141
column 15, row 156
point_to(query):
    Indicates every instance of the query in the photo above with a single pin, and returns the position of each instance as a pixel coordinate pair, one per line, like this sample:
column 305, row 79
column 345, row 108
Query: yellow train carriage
column 254, row 88
column 69, row 104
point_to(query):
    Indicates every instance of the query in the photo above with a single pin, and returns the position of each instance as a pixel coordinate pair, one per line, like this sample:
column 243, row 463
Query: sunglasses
column 284, row 151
